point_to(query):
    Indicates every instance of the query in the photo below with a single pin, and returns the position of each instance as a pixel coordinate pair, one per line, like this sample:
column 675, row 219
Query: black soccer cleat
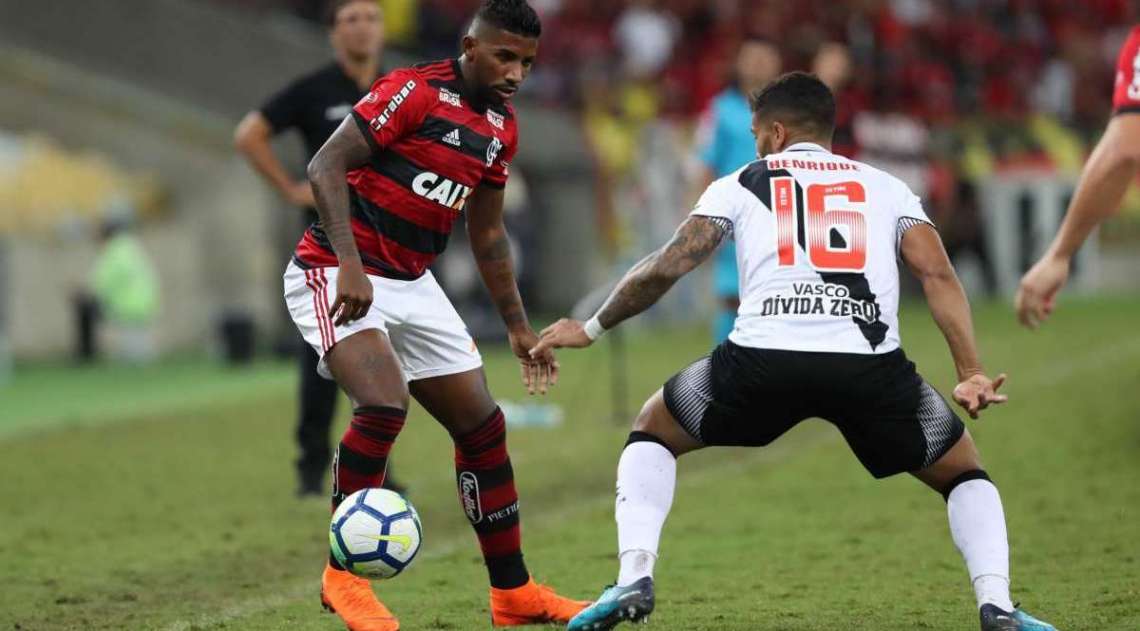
column 997, row 619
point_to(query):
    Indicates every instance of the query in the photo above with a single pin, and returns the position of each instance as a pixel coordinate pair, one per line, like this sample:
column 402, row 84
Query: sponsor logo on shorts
column 469, row 495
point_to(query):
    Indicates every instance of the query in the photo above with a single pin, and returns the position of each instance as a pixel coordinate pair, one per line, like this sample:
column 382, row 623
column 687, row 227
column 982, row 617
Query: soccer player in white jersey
column 818, row 239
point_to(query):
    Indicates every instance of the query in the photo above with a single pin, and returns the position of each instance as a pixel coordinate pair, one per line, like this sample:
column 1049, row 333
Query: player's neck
column 470, row 89
column 362, row 71
column 800, row 140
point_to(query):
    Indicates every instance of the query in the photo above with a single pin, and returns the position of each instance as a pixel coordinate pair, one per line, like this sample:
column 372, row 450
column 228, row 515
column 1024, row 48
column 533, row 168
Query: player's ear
column 470, row 43
column 779, row 135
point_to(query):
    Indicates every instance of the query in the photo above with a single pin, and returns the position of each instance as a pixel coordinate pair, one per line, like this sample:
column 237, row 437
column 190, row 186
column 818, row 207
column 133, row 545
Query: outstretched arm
column 924, row 254
column 344, row 151
column 645, row 284
column 1110, row 169
column 492, row 249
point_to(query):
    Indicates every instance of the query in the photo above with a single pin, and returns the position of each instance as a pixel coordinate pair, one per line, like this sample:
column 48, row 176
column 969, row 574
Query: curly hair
column 515, row 16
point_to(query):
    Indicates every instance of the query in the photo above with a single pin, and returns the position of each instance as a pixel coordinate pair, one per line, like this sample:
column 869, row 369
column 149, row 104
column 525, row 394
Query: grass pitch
column 162, row 499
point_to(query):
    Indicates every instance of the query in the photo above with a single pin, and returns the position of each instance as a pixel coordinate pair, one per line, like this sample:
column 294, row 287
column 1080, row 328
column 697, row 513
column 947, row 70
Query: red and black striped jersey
column 431, row 147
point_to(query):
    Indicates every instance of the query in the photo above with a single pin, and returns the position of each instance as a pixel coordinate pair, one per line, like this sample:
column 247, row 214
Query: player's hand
column 353, row 295
column 539, row 370
column 1037, row 295
column 565, row 333
column 978, row 393
column 301, row 194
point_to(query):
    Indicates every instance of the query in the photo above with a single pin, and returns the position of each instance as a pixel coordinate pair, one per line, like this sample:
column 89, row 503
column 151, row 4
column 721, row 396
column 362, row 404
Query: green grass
column 162, row 499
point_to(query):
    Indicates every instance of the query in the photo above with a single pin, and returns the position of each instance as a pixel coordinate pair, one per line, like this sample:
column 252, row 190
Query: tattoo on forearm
column 345, row 150
column 497, row 268
column 644, row 285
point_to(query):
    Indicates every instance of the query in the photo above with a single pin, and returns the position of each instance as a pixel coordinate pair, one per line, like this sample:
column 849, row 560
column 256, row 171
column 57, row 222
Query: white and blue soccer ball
column 375, row 533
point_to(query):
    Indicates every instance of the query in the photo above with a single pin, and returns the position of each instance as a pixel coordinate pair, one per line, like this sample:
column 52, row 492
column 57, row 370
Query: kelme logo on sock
column 469, row 493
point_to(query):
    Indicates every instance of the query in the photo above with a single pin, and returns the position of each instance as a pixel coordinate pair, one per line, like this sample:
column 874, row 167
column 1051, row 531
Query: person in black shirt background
column 315, row 105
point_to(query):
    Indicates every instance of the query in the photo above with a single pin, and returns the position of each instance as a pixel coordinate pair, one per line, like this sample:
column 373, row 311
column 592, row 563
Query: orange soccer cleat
column 531, row 604
column 352, row 598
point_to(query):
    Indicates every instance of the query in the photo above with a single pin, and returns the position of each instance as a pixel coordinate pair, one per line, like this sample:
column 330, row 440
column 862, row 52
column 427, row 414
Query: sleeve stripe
column 724, row 223
column 906, row 223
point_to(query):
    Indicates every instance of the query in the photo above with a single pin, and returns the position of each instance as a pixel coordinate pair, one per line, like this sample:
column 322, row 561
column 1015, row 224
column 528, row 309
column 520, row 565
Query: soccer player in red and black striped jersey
column 426, row 145
column 1111, row 167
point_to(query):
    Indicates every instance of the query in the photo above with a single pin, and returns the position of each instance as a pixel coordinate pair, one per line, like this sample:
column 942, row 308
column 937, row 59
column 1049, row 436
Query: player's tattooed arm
column 345, row 150
column 492, row 249
column 648, row 281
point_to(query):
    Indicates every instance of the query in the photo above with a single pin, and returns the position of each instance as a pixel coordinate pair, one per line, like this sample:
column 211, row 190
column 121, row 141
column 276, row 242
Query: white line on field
column 1049, row 375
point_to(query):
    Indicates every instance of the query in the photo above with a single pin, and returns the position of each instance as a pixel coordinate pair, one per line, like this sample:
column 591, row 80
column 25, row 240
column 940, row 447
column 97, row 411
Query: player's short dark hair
column 799, row 100
column 332, row 8
column 513, row 16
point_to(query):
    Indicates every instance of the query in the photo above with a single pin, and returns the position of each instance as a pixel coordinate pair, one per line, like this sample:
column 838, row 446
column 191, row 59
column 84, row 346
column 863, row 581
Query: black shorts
column 893, row 420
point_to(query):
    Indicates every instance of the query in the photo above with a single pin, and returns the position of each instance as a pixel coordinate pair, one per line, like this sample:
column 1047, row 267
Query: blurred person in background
column 314, row 105
column 726, row 143
column 123, row 293
column 833, row 65
column 1111, row 168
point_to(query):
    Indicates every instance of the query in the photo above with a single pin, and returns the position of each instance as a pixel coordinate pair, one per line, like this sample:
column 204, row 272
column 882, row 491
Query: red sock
column 362, row 456
column 487, row 494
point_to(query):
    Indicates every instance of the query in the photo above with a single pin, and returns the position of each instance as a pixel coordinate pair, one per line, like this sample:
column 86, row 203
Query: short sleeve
column 720, row 200
column 500, row 168
column 1126, row 97
column 396, row 106
column 911, row 207
column 911, row 214
column 283, row 110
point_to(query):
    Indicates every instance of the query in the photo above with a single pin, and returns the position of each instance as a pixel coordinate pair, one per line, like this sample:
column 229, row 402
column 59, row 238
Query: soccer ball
column 375, row 533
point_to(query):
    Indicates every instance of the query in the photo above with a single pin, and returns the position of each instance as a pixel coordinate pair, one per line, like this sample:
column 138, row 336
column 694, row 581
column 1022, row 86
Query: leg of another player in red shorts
column 463, row 405
column 365, row 365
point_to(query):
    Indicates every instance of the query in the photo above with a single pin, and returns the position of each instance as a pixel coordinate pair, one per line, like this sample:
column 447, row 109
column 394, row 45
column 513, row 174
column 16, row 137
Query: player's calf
column 487, row 492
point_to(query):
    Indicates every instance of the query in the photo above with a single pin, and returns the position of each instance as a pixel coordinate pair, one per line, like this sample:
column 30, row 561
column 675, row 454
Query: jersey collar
column 806, row 146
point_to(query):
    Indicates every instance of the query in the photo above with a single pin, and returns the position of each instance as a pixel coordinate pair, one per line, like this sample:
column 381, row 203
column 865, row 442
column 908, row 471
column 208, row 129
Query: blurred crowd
column 942, row 92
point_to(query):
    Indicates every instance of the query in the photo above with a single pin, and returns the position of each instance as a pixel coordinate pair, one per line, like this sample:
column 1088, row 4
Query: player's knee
column 383, row 396
column 656, row 424
column 649, row 418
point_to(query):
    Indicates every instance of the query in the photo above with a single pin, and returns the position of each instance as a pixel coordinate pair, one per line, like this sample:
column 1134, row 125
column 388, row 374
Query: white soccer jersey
column 817, row 239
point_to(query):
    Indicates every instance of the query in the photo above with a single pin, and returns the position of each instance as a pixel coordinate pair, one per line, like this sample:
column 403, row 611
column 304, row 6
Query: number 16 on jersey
column 820, row 225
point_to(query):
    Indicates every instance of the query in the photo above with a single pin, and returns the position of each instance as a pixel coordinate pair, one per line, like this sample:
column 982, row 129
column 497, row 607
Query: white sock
column 647, row 474
column 977, row 524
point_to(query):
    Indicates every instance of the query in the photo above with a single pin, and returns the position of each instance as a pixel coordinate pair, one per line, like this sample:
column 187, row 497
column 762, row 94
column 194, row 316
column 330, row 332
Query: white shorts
column 427, row 334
